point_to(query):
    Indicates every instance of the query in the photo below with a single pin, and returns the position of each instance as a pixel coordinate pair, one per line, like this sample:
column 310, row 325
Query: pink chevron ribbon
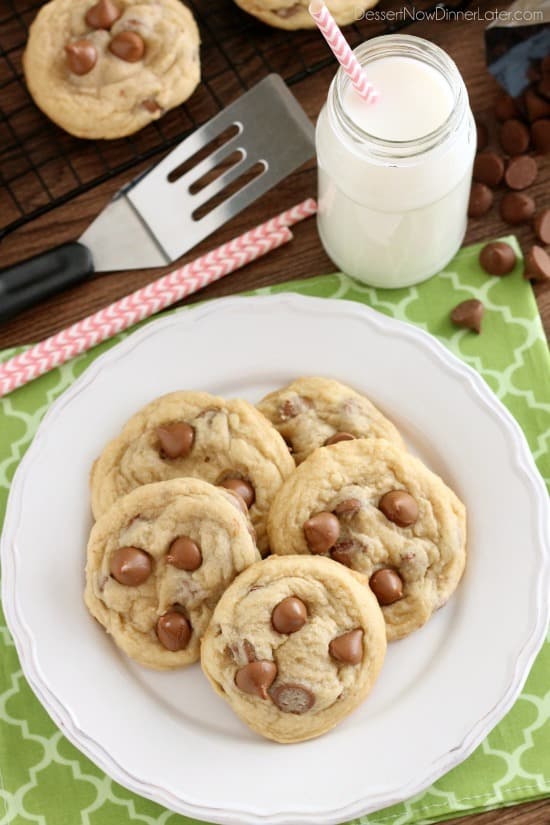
column 329, row 29
column 162, row 293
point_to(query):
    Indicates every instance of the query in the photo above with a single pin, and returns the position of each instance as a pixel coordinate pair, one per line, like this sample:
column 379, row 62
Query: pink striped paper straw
column 329, row 29
column 168, row 290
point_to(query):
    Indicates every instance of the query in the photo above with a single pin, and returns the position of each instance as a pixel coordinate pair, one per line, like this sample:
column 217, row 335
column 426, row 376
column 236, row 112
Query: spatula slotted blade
column 274, row 136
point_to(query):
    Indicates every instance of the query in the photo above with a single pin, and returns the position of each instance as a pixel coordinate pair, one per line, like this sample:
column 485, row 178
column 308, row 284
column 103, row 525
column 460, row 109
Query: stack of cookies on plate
column 364, row 544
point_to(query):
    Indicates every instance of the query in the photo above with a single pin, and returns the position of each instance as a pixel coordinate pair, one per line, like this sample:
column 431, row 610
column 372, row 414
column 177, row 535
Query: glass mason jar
column 392, row 213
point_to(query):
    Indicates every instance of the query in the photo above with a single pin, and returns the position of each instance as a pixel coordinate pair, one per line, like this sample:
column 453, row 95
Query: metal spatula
column 264, row 136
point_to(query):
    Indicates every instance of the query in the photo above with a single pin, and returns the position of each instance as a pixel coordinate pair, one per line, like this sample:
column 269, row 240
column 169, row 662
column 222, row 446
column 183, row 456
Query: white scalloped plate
column 167, row 736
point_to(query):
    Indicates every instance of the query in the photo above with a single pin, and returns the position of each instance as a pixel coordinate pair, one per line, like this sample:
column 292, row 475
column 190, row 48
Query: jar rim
column 403, row 45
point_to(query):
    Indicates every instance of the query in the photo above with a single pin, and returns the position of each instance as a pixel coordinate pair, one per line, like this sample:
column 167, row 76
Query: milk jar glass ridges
column 393, row 212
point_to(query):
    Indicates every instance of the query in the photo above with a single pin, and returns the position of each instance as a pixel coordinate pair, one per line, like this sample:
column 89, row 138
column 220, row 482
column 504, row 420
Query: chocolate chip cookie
column 293, row 14
column 196, row 434
column 106, row 68
column 158, row 561
column 312, row 412
column 295, row 645
column 382, row 513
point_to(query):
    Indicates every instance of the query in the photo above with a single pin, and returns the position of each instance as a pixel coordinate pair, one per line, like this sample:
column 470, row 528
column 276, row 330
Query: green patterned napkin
column 45, row 780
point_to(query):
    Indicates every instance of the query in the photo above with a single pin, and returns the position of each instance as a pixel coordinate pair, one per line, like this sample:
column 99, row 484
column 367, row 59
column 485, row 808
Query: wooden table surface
column 464, row 42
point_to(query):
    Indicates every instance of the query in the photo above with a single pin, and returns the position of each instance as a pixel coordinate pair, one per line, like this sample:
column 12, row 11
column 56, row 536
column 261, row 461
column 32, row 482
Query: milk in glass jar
column 394, row 176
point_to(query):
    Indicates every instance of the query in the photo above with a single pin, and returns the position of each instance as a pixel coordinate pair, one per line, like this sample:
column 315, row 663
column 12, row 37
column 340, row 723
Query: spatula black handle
column 29, row 282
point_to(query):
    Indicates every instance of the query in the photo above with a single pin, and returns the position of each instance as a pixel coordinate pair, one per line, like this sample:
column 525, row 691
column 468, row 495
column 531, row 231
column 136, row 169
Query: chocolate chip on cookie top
column 184, row 554
column 128, row 46
column 293, row 406
column 176, row 440
column 102, row 14
column 289, row 616
column 174, row 630
column 242, row 488
column 256, row 677
column 400, row 507
column 348, row 647
column 238, row 501
column 81, row 56
column 347, row 507
column 293, row 698
column 130, row 566
column 343, row 552
column 337, row 437
column 387, row 586
column 322, row 531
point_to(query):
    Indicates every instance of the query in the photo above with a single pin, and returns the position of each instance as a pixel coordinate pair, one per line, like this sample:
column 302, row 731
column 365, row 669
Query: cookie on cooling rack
column 293, row 14
column 106, row 68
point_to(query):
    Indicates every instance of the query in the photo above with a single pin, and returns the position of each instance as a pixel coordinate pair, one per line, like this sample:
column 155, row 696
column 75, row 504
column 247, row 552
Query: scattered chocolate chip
column 514, row 137
column 468, row 314
column 348, row 507
column 321, row 532
column 242, row 488
column 488, row 168
column 537, row 265
column 176, row 440
column 81, row 56
column 348, row 648
column 516, row 208
column 343, row 551
column 337, row 437
column 541, row 226
column 482, row 136
column 400, row 507
column 130, row 566
column 289, row 615
column 540, row 135
column 293, row 698
column 481, row 200
column 497, row 258
column 521, row 172
column 387, row 586
column 173, row 630
column 184, row 554
column 536, row 106
column 128, row 46
column 256, row 677
column 102, row 15
column 506, row 107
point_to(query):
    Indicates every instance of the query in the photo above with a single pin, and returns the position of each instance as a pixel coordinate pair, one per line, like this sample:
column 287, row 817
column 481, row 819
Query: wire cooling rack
column 42, row 167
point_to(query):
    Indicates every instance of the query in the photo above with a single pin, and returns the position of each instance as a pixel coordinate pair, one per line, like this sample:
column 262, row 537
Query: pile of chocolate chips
column 523, row 133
